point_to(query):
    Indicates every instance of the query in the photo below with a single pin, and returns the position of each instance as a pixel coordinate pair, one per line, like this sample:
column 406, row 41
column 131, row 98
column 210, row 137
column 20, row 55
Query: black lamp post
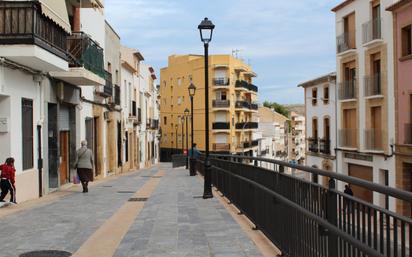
column 206, row 32
column 176, row 139
column 187, row 139
column 182, row 122
column 192, row 91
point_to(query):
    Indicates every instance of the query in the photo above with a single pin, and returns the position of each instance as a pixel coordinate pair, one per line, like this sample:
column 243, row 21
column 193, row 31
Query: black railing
column 24, row 23
column 221, row 125
column 324, row 146
column 254, row 143
column 254, row 106
column 84, row 52
column 108, row 87
column 116, row 95
column 154, row 124
column 313, row 145
column 306, row 219
column 246, row 85
column 221, row 103
column 242, row 104
column 247, row 125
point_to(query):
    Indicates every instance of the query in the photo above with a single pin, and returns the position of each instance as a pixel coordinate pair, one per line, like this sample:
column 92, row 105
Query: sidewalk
column 174, row 221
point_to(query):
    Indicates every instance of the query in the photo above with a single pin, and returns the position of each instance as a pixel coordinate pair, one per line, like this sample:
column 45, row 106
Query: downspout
column 38, row 78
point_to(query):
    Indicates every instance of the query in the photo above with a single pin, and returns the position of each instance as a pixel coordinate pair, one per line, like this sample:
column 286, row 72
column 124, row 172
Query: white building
column 320, row 116
column 296, row 141
column 365, row 76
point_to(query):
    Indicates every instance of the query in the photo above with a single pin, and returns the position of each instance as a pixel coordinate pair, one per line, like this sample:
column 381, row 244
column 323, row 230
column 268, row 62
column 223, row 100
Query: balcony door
column 376, row 17
column 349, row 29
column 326, row 129
column 376, row 126
column 350, row 126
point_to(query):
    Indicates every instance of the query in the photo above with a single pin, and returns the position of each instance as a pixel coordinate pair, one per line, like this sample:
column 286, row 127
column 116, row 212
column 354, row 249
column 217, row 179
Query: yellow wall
column 186, row 66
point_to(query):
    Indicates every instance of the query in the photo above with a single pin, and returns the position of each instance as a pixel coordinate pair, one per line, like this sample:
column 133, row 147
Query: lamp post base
column 192, row 167
column 207, row 191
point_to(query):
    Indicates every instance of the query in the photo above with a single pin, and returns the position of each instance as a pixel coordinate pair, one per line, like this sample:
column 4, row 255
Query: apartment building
column 365, row 79
column 320, row 116
column 402, row 34
column 60, row 77
column 296, row 139
column 233, row 104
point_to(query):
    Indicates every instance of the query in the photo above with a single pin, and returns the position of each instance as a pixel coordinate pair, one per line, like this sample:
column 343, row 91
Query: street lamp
column 192, row 91
column 176, row 138
column 206, row 32
column 187, row 139
column 183, row 135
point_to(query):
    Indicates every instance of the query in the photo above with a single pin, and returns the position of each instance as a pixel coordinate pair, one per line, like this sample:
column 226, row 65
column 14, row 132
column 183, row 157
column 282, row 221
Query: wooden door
column 64, row 157
column 351, row 31
column 377, row 126
column 362, row 172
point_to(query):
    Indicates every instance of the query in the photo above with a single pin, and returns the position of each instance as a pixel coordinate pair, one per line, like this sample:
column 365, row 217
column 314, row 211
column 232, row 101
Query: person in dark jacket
column 346, row 202
column 195, row 152
column 84, row 165
column 7, row 180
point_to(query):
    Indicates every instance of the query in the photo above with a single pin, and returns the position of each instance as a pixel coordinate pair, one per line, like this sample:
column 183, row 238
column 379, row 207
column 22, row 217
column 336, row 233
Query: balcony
column 153, row 124
column 345, row 42
column 348, row 138
column 221, row 147
column 372, row 30
column 324, row 146
column 116, row 95
column 408, row 134
column 347, row 90
column 30, row 38
column 254, row 106
column 219, row 82
column 254, row 143
column 242, row 105
column 107, row 89
column 247, row 125
column 221, row 103
column 86, row 61
column 373, row 85
column 373, row 139
column 243, row 85
column 221, row 125
column 313, row 145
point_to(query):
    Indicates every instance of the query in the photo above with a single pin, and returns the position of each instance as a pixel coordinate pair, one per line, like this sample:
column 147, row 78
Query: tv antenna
column 235, row 53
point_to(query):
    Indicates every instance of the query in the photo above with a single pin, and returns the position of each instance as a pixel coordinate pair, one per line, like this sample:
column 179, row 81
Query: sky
column 285, row 42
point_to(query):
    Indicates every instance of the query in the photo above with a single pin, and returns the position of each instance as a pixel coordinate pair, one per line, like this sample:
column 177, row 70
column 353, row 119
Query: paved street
column 174, row 221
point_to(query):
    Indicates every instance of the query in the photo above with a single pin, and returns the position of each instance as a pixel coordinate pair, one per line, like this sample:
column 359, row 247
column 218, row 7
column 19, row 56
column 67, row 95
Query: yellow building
column 232, row 112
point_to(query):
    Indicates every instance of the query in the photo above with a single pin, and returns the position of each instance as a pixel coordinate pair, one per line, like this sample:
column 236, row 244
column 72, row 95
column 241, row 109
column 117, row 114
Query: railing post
column 332, row 217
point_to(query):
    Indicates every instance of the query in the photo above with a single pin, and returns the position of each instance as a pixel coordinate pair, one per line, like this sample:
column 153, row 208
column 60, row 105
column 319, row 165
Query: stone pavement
column 174, row 221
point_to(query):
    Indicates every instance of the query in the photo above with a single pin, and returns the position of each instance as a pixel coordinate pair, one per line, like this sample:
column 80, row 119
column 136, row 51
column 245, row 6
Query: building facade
column 296, row 139
column 402, row 20
column 320, row 116
column 233, row 104
column 365, row 78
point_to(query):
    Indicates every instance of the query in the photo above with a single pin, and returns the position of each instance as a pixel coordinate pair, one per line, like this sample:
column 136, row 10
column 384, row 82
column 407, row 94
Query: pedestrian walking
column 84, row 165
column 347, row 202
column 194, row 153
column 7, row 183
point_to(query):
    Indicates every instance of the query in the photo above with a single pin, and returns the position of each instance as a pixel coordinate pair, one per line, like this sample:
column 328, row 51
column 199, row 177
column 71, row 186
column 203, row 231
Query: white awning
column 57, row 11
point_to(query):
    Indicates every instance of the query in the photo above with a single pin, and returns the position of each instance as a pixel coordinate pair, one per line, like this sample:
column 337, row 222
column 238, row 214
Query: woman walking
column 84, row 165
column 7, row 182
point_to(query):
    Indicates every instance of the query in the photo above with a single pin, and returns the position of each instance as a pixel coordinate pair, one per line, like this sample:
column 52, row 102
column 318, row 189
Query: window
column 407, row 40
column 27, row 132
column 164, row 120
column 179, row 100
column 314, row 128
column 179, row 81
column 314, row 96
column 326, row 95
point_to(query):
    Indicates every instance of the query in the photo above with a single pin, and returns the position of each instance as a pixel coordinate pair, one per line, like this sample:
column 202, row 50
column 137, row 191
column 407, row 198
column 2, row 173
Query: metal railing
column 324, row 146
column 247, row 125
column 306, row 219
column 347, row 90
column 254, row 106
column 313, row 145
column 345, row 41
column 348, row 138
column 86, row 53
column 373, row 139
column 221, row 125
column 154, row 124
column 221, row 103
column 246, row 85
column 242, row 104
column 221, row 147
column 24, row 23
column 254, row 143
column 408, row 133
column 372, row 30
column 373, row 85
column 108, row 87
column 221, row 81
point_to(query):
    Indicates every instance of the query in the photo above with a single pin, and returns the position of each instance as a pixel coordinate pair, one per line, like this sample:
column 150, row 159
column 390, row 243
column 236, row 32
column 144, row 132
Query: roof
column 341, row 5
column 399, row 4
column 325, row 78
column 111, row 28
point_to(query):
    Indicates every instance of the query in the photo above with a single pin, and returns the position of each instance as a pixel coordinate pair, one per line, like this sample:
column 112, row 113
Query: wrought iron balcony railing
column 22, row 22
column 373, row 85
column 221, row 125
column 372, row 30
column 347, row 90
column 313, row 145
column 221, row 103
column 242, row 104
column 324, row 146
column 84, row 52
column 247, row 125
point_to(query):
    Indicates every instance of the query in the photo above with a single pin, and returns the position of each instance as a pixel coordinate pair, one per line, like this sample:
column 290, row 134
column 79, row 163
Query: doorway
column 64, row 157
column 362, row 172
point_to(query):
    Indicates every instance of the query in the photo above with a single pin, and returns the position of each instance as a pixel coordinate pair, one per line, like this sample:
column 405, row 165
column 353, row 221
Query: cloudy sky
column 286, row 42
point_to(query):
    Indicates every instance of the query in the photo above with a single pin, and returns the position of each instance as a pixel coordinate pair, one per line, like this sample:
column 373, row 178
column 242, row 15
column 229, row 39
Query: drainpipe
column 38, row 78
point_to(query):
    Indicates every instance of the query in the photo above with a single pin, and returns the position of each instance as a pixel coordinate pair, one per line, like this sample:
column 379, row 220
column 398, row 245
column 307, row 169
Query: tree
column 277, row 107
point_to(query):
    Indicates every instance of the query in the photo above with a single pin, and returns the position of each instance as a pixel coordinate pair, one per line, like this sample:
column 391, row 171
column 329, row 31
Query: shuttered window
column 27, row 133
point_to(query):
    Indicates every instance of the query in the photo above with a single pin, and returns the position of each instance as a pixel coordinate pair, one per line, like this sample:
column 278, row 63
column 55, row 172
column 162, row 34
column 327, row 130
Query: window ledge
column 373, row 42
column 348, row 100
column 374, row 97
column 347, row 52
column 405, row 58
